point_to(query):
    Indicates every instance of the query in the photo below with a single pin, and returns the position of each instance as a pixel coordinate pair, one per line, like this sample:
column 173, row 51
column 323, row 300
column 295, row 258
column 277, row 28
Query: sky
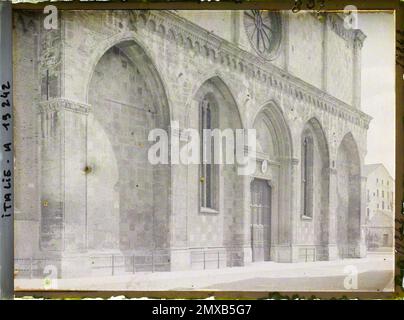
column 378, row 86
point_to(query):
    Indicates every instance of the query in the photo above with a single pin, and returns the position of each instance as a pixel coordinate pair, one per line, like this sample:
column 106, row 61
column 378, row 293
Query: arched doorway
column 349, row 197
column 270, row 229
column 127, row 196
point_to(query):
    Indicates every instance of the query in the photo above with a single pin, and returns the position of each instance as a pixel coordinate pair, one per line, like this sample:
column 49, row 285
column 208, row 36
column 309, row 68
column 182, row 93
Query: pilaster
column 332, row 215
column 63, row 175
column 357, row 72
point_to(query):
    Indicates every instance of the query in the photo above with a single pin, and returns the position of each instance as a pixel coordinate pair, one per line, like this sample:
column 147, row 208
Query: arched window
column 307, row 175
column 208, row 168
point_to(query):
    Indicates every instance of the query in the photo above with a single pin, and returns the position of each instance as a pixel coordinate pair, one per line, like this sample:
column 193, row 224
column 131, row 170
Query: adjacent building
column 380, row 206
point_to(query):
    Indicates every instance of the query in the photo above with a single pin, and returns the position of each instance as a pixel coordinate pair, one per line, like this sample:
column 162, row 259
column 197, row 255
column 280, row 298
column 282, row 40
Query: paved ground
column 367, row 281
column 374, row 273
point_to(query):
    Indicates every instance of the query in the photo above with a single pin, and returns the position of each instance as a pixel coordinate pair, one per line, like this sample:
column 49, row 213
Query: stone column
column 362, row 240
column 295, row 210
column 51, row 191
column 182, row 197
column 285, row 250
column 332, row 214
column 324, row 73
column 63, row 182
column 247, row 254
column 357, row 72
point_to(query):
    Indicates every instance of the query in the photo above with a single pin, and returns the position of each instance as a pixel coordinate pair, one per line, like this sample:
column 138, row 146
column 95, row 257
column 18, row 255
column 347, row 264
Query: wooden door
column 260, row 220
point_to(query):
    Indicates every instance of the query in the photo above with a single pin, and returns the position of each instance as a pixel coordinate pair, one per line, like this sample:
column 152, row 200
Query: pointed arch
column 349, row 198
column 279, row 176
column 349, row 143
column 218, row 80
column 319, row 133
column 222, row 192
column 275, row 119
column 123, row 112
column 138, row 52
column 315, row 184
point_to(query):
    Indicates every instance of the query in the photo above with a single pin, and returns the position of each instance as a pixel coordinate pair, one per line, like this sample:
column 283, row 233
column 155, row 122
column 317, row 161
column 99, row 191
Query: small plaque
column 264, row 166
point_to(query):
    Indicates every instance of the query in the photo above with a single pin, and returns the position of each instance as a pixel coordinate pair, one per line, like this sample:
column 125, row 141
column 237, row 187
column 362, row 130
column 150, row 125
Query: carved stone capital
column 336, row 23
column 329, row 171
column 289, row 161
column 359, row 38
column 295, row 161
column 61, row 104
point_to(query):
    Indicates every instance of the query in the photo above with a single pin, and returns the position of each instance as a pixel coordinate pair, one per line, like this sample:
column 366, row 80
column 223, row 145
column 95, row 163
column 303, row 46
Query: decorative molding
column 295, row 161
column 59, row 104
column 336, row 23
column 359, row 38
column 189, row 35
column 306, row 218
column 329, row 171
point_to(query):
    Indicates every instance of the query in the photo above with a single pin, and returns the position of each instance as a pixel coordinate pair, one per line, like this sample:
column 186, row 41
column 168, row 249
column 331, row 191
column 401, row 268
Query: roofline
column 378, row 165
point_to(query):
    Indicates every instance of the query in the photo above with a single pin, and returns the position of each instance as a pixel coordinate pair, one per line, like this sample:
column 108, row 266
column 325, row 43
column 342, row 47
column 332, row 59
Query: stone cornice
column 59, row 104
column 219, row 50
column 336, row 23
column 359, row 37
column 329, row 171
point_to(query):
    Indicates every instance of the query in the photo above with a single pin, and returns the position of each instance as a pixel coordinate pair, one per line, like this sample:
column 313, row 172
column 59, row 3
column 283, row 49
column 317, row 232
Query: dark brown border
column 221, row 5
column 399, row 221
column 220, row 295
column 330, row 5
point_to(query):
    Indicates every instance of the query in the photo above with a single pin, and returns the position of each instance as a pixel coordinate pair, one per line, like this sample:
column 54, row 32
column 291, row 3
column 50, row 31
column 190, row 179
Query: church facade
column 88, row 93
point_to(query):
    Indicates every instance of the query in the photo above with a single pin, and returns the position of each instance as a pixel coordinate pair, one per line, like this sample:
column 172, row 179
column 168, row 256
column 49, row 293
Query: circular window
column 264, row 31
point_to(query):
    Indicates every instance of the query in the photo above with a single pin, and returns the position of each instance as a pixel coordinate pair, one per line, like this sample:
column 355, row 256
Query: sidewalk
column 375, row 273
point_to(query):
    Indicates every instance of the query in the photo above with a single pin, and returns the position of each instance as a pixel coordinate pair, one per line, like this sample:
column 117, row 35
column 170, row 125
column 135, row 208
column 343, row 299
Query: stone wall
column 306, row 42
column 309, row 42
column 96, row 122
column 27, row 137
